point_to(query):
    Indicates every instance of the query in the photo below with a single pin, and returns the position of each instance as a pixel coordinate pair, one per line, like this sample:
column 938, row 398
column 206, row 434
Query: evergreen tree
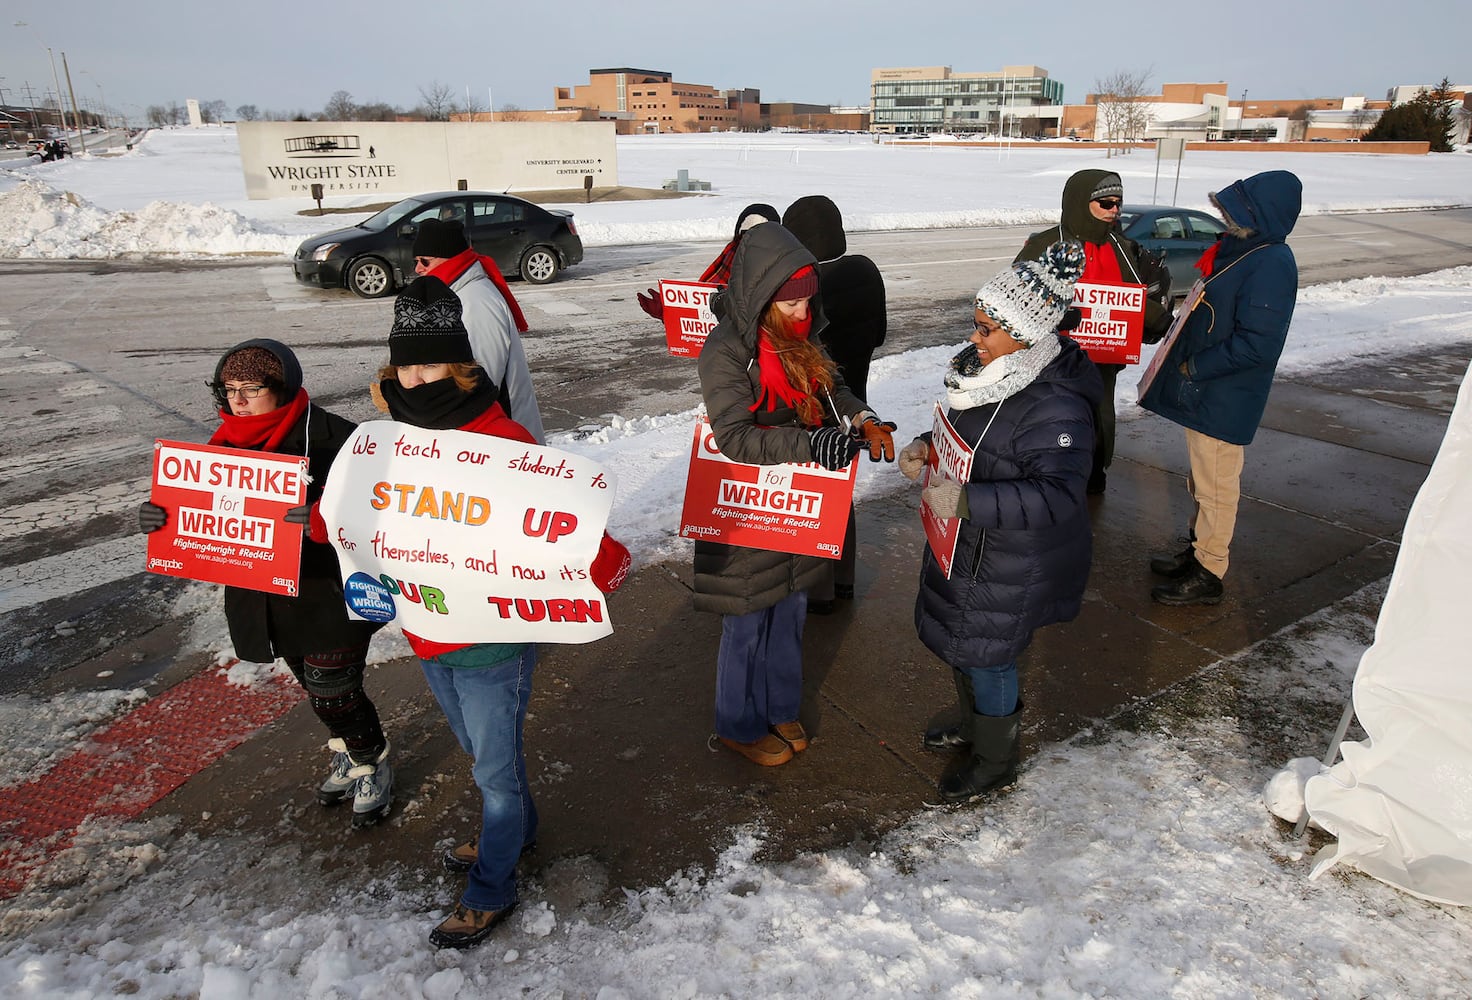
column 1429, row 117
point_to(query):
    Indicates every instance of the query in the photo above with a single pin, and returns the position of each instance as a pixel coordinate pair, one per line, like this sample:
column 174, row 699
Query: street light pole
column 76, row 116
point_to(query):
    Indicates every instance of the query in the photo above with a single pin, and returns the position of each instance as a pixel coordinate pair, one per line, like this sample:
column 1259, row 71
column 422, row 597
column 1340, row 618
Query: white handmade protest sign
column 463, row 538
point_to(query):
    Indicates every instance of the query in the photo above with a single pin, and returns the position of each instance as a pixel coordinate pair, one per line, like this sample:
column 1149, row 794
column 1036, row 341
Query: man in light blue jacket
column 1216, row 379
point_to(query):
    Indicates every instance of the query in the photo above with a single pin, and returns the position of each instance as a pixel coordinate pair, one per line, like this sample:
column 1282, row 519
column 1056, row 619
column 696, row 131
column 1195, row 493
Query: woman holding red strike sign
column 1021, row 397
column 263, row 407
column 773, row 396
column 432, row 381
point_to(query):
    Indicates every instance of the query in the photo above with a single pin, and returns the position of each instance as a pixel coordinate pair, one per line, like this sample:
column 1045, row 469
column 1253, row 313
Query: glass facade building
column 920, row 99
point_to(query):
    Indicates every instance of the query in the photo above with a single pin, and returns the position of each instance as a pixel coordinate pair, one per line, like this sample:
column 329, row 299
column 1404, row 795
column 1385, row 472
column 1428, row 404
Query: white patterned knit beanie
column 1030, row 297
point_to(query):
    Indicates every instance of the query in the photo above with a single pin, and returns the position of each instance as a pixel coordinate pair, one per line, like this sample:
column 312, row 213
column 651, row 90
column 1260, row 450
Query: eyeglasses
column 1108, row 204
column 423, row 262
column 246, row 391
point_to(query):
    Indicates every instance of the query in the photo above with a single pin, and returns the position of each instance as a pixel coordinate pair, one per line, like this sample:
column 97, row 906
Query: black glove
column 832, row 448
column 151, row 517
column 650, row 302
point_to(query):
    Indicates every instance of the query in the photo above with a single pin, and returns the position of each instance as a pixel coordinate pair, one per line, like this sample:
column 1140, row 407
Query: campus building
column 649, row 100
column 918, row 99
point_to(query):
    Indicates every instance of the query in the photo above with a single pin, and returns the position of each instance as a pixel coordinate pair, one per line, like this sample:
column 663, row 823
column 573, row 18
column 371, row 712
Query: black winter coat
column 731, row 579
column 264, row 626
column 1024, row 552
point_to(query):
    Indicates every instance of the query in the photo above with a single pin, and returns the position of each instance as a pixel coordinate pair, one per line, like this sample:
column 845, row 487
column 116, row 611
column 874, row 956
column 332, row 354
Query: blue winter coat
column 1023, row 555
column 1232, row 341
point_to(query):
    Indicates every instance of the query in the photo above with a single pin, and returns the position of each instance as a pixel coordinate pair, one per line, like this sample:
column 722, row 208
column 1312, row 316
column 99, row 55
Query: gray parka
column 729, row 579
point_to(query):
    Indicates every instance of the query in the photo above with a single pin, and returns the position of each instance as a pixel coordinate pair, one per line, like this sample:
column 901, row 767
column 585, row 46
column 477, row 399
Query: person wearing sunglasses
column 491, row 314
column 258, row 388
column 1091, row 205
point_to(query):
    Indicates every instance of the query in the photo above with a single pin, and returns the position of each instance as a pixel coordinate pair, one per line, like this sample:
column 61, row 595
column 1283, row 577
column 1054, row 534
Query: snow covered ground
column 1133, row 862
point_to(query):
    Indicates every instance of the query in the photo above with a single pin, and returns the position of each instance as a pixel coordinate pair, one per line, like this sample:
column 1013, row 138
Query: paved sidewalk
column 630, row 792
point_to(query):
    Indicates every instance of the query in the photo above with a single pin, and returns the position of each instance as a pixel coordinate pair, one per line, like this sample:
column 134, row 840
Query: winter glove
column 151, row 517
column 913, row 458
column 611, row 566
column 945, row 498
column 308, row 516
column 879, row 436
column 832, row 448
column 650, row 302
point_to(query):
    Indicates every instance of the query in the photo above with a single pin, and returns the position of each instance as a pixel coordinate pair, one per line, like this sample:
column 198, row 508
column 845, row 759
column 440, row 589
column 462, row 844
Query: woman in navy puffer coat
column 1023, row 398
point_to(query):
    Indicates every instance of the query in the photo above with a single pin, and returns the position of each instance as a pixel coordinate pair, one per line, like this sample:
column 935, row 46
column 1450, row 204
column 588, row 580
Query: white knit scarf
column 969, row 383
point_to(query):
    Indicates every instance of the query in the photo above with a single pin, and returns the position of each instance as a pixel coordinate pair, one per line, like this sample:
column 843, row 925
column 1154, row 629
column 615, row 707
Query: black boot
column 1198, row 585
column 992, row 763
column 1177, row 564
column 950, row 729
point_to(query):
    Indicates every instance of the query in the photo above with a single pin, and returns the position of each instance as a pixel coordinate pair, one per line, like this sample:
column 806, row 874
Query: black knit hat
column 816, row 221
column 440, row 238
column 428, row 329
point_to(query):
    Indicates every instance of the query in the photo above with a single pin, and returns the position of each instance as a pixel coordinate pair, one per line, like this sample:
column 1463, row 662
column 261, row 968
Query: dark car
column 377, row 255
column 1177, row 235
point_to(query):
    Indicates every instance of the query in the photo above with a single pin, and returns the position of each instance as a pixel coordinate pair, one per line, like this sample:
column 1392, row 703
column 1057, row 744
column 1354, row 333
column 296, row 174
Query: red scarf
column 773, row 387
column 261, row 431
column 1101, row 265
column 450, row 271
column 1206, row 263
column 719, row 271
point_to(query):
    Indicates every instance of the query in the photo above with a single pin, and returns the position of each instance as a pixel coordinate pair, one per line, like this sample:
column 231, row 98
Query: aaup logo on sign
column 369, row 598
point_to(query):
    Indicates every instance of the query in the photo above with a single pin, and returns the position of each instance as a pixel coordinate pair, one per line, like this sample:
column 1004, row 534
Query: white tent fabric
column 1401, row 801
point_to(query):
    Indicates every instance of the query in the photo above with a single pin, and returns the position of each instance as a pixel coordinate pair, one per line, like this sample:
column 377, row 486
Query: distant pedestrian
column 263, row 407
column 1216, row 380
column 1022, row 397
column 852, row 293
column 770, row 392
column 1091, row 205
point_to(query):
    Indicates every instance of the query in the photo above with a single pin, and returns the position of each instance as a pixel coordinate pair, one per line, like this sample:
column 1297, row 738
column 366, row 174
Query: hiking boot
column 1175, row 565
column 461, row 859
column 374, row 794
column 792, row 734
column 769, row 751
column 465, row 928
column 338, row 785
column 843, row 591
column 1198, row 585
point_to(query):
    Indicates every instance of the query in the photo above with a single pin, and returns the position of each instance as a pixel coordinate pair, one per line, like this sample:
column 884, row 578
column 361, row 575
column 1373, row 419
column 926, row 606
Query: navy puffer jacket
column 1231, row 342
column 1024, row 552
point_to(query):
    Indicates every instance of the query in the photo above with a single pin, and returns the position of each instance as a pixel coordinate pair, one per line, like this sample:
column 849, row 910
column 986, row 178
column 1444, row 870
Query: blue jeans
column 994, row 689
column 486, row 708
column 759, row 669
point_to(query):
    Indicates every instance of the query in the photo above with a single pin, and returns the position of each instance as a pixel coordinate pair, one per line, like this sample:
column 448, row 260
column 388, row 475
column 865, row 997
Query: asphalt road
column 101, row 358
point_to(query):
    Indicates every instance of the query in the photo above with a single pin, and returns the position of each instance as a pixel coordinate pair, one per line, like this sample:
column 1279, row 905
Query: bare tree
column 214, row 111
column 436, row 102
column 1299, row 120
column 1123, row 111
column 470, row 105
column 340, row 107
column 1359, row 118
column 248, row 113
column 509, row 112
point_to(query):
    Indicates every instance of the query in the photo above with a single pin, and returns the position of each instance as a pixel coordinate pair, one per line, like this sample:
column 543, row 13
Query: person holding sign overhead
column 1021, row 397
column 263, row 407
column 773, row 396
column 718, row 271
column 1091, row 204
column 432, row 381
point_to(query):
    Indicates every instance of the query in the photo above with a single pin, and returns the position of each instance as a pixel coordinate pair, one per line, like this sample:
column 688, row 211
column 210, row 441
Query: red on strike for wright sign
column 687, row 316
column 224, row 516
column 1113, row 322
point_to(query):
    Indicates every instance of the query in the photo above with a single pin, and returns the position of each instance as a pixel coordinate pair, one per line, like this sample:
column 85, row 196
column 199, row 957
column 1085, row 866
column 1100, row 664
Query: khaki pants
column 1216, row 486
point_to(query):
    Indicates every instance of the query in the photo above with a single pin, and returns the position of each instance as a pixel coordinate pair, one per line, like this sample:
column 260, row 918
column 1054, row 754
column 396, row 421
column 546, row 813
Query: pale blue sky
column 291, row 56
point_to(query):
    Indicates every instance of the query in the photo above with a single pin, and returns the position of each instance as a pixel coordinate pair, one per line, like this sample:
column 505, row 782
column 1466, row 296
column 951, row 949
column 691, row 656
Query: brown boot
column 465, row 927
column 792, row 734
column 769, row 751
